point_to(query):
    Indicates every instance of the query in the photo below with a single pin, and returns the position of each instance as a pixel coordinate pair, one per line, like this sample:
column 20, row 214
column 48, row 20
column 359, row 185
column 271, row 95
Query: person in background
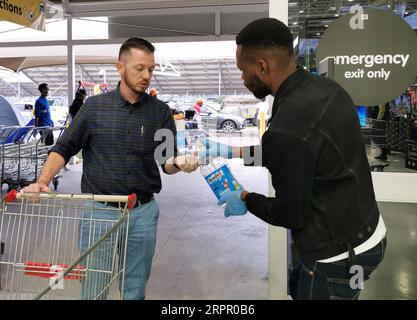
column 80, row 96
column 43, row 115
column 198, row 105
column 42, row 109
column 153, row 92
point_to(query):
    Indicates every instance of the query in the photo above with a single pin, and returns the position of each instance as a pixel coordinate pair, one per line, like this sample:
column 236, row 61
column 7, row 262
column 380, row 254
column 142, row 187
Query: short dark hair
column 42, row 86
column 137, row 43
column 264, row 34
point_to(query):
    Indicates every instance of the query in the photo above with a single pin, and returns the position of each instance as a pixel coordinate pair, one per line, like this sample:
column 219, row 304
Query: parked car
column 221, row 121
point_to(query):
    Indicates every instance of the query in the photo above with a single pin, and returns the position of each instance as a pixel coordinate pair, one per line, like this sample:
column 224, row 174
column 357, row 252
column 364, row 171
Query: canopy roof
column 22, row 63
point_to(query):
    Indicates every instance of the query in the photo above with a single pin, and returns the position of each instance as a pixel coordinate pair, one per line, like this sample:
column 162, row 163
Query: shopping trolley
column 57, row 246
column 375, row 137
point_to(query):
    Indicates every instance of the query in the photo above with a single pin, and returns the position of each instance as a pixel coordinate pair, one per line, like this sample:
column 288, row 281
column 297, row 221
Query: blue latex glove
column 234, row 204
column 215, row 149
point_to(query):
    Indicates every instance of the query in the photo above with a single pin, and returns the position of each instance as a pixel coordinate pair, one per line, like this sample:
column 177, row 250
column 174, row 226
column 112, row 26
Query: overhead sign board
column 28, row 13
column 374, row 53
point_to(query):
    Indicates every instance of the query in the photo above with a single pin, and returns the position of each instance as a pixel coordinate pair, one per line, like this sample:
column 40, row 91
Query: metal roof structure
column 199, row 76
column 182, row 20
column 221, row 18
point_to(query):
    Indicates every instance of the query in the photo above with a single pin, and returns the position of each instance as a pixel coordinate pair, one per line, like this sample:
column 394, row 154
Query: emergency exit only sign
column 369, row 61
column 374, row 54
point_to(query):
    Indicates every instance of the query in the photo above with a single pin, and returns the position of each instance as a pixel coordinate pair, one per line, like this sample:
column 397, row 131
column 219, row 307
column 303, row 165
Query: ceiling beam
column 86, row 42
column 142, row 8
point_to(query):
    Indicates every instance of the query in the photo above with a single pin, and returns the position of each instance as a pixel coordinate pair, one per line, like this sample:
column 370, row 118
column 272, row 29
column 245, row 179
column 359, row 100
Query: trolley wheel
column 55, row 182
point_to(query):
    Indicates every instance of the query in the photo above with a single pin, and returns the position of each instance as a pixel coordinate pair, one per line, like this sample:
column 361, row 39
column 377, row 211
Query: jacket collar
column 291, row 82
column 299, row 74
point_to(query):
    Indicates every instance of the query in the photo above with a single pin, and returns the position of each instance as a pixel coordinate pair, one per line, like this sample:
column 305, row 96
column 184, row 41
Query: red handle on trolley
column 131, row 202
column 11, row 196
column 48, row 270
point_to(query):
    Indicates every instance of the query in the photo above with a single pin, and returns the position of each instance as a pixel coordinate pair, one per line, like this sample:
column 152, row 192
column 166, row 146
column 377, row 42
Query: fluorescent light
column 301, row 11
column 294, row 23
column 336, row 15
column 318, row 33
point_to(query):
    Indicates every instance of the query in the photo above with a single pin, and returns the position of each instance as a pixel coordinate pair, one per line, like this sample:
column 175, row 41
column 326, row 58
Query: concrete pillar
column 277, row 238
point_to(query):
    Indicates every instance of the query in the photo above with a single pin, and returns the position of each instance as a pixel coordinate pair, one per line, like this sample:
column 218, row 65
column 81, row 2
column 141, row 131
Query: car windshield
column 207, row 109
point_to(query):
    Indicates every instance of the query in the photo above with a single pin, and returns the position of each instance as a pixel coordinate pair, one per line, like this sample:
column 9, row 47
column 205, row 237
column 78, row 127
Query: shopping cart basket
column 63, row 246
column 23, row 154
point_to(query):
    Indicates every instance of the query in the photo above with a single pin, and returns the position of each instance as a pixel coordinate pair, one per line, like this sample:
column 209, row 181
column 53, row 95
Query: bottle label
column 221, row 181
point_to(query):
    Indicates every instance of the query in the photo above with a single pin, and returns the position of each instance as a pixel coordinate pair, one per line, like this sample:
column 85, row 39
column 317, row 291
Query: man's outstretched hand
column 235, row 206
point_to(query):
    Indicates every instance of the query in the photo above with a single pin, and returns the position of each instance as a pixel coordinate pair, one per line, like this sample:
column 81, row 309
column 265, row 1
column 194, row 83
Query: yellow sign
column 28, row 13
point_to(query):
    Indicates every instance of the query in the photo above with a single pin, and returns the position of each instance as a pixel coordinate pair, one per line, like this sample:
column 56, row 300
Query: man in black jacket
column 315, row 153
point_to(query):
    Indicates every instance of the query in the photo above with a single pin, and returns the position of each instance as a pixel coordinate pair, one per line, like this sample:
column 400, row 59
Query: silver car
column 221, row 121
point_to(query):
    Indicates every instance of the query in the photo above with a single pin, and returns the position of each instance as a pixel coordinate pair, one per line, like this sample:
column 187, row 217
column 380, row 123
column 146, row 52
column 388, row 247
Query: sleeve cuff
column 64, row 155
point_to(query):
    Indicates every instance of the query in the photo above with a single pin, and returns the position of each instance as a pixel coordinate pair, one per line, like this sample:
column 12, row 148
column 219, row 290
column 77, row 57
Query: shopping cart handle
column 131, row 201
column 11, row 196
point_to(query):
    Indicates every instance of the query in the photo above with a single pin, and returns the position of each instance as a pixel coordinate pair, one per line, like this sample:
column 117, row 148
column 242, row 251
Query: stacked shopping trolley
column 23, row 152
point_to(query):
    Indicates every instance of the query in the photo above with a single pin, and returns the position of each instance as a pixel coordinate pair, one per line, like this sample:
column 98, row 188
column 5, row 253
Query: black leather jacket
column 315, row 153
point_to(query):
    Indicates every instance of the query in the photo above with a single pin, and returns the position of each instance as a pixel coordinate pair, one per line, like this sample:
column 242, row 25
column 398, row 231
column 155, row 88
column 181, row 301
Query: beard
column 131, row 86
column 259, row 89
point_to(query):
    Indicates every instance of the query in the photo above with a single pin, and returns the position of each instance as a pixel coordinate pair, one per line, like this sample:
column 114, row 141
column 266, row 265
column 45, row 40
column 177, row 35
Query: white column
column 277, row 238
column 71, row 61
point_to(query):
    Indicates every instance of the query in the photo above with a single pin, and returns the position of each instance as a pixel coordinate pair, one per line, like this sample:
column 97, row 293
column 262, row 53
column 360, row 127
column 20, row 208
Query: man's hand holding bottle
column 234, row 200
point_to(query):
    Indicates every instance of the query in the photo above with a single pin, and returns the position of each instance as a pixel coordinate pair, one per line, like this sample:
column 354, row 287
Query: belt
column 138, row 203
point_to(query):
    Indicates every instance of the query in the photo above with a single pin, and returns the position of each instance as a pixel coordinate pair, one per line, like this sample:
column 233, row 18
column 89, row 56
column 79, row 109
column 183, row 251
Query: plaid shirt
column 117, row 139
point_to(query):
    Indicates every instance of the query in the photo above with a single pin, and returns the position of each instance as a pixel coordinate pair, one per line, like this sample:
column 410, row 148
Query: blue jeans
column 324, row 281
column 140, row 249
